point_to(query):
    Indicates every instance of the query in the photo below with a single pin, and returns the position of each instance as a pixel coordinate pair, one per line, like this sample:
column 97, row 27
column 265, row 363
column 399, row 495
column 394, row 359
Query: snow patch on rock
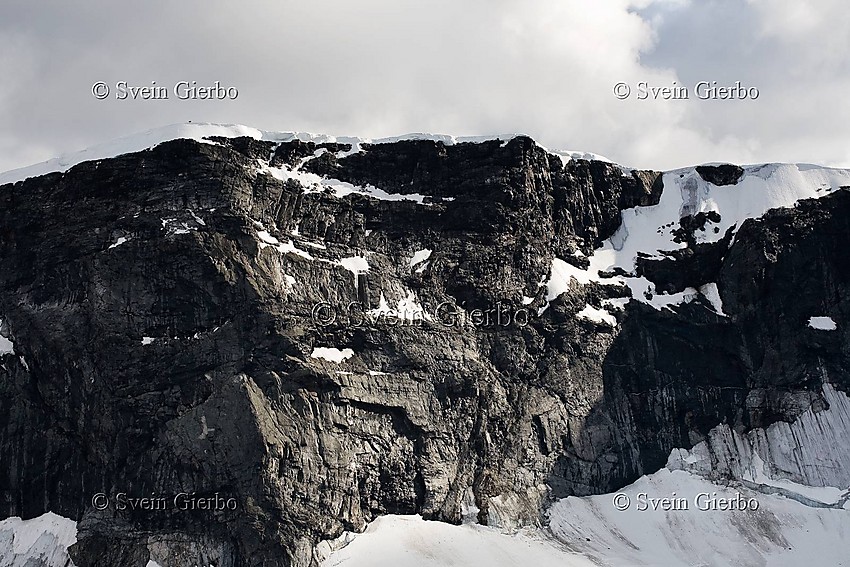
column 822, row 323
column 597, row 315
column 332, row 354
column 267, row 240
column 313, row 183
column 712, row 294
column 420, row 256
column 356, row 265
column 6, row 344
column 407, row 309
column 650, row 230
column 121, row 240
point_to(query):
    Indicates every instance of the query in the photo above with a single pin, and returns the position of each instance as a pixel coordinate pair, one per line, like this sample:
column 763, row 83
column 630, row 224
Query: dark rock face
column 179, row 360
column 725, row 174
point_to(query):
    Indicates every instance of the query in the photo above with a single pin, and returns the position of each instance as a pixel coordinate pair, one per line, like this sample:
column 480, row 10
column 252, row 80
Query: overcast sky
column 376, row 68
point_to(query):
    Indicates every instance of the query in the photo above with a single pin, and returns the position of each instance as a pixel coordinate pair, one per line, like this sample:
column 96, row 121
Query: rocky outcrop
column 207, row 323
column 724, row 174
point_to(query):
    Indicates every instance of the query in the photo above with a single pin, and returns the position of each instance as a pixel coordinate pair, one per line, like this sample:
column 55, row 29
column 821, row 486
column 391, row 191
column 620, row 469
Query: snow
column 313, row 183
column 793, row 479
column 445, row 139
column 6, row 345
column 562, row 276
column 420, row 256
column 121, row 240
column 773, row 530
column 356, row 265
column 317, row 245
column 196, row 218
column 712, row 294
column 822, row 323
column 567, row 155
column 597, row 315
column 649, row 229
column 410, row 541
column 40, row 541
column 332, row 354
column 267, row 240
column 174, row 227
column 147, row 340
column 407, row 309
column 152, row 563
column 780, row 532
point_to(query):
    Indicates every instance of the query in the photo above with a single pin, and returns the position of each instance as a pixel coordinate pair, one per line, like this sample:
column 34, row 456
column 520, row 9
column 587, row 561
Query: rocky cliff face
column 304, row 336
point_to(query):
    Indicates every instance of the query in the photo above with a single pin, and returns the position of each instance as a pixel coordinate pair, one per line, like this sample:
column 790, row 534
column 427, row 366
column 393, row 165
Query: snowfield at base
column 40, row 541
column 797, row 473
column 780, row 532
column 410, row 541
column 822, row 323
column 332, row 354
column 591, row 531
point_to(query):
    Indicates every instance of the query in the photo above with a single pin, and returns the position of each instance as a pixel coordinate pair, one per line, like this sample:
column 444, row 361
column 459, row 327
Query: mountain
column 234, row 347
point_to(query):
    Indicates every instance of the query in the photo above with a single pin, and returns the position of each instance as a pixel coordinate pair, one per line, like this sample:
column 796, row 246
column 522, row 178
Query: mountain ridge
column 201, row 130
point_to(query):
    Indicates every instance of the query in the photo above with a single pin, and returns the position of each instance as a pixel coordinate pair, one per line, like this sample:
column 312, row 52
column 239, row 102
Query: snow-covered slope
column 592, row 531
column 40, row 541
column 410, row 541
column 785, row 493
column 649, row 230
column 779, row 532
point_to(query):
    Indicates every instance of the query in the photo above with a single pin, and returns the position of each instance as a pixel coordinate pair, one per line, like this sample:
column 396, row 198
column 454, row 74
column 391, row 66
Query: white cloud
column 380, row 67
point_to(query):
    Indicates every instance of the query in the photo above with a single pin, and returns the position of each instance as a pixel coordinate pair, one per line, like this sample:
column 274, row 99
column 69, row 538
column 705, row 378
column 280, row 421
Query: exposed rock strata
column 163, row 345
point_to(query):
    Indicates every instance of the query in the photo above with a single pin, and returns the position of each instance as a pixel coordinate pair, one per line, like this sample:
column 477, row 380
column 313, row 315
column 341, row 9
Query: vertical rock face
column 276, row 342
